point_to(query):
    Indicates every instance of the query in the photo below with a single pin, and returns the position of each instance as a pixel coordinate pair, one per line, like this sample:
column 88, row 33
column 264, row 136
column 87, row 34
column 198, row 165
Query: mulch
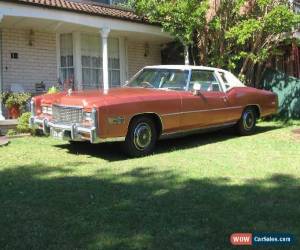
column 3, row 141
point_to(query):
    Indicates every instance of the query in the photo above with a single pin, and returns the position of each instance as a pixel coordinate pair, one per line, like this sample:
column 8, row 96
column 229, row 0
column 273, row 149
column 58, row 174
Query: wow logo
column 262, row 239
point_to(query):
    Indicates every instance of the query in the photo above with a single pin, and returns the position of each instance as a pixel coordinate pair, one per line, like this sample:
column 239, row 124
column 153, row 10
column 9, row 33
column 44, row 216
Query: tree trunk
column 202, row 47
column 186, row 55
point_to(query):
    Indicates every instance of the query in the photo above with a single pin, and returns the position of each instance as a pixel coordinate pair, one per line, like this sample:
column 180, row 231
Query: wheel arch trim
column 145, row 114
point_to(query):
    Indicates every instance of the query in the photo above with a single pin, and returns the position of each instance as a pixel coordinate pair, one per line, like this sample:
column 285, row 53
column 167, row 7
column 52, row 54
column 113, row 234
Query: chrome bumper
column 68, row 132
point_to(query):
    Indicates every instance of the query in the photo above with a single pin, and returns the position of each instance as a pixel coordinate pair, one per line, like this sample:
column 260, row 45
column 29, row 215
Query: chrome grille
column 65, row 114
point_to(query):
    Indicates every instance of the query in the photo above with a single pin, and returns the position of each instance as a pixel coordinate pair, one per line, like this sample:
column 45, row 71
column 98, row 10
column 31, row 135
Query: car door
column 208, row 107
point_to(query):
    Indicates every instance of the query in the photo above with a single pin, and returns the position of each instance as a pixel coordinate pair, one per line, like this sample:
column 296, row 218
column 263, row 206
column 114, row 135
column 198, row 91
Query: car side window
column 206, row 79
column 225, row 80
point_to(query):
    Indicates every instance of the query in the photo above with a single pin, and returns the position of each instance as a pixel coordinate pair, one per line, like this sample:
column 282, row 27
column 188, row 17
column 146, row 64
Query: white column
column 77, row 60
column 104, row 35
column 1, row 116
column 123, row 70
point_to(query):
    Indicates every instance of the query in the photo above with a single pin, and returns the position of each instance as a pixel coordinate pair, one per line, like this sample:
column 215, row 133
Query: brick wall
column 37, row 63
column 34, row 64
column 137, row 59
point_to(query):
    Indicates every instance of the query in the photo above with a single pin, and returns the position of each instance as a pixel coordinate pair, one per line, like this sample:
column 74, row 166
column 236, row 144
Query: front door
column 209, row 107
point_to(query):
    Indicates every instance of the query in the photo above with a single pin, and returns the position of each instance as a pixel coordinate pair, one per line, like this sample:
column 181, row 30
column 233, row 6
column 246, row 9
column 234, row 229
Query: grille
column 66, row 114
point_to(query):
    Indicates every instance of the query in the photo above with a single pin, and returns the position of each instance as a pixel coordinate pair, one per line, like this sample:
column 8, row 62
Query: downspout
column 1, row 73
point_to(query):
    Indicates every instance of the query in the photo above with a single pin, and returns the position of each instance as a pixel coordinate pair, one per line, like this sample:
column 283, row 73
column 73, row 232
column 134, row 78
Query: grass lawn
column 191, row 194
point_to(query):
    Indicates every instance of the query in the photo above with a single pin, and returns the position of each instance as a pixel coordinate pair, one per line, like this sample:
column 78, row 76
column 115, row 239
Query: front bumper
column 68, row 132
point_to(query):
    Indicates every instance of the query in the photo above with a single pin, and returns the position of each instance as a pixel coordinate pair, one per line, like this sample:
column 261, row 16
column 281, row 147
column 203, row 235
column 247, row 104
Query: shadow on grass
column 113, row 151
column 152, row 211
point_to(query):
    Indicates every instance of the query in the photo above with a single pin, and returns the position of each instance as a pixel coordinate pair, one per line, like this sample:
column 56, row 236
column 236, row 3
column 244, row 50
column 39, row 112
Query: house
column 80, row 44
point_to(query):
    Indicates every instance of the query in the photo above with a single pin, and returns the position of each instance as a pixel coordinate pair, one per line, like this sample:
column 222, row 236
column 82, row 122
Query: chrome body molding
column 147, row 113
column 201, row 111
column 183, row 133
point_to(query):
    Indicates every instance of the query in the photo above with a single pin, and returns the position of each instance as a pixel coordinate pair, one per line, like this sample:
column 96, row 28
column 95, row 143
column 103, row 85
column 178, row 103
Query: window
column 91, row 60
column 114, row 62
column 66, row 72
column 225, row 80
column 206, row 79
column 161, row 78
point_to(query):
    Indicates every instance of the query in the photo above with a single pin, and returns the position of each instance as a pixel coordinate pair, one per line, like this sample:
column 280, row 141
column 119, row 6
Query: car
column 158, row 102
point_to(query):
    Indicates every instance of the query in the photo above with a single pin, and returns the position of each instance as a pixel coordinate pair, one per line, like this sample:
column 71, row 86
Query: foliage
column 288, row 90
column 180, row 18
column 11, row 132
column 14, row 99
column 23, row 123
column 128, row 4
column 53, row 90
column 239, row 35
column 257, row 35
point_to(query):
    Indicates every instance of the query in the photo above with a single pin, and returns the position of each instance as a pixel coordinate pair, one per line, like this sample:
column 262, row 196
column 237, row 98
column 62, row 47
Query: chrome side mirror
column 196, row 89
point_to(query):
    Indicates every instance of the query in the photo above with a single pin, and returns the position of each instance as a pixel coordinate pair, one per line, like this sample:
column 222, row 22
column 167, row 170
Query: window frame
column 215, row 74
column 66, row 67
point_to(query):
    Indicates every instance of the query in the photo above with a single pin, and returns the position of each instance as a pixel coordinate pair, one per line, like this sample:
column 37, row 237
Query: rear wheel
column 247, row 123
column 141, row 137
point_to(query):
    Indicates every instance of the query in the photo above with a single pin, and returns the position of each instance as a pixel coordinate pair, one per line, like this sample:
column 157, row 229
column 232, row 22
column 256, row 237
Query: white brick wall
column 137, row 59
column 34, row 64
column 38, row 62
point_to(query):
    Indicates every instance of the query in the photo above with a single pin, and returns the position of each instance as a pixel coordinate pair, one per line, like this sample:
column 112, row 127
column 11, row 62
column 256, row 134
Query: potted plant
column 14, row 102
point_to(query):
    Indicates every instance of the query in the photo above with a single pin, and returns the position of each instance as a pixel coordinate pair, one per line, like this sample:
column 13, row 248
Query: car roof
column 183, row 67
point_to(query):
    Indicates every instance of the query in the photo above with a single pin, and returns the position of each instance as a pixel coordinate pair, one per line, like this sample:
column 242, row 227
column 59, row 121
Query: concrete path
column 3, row 141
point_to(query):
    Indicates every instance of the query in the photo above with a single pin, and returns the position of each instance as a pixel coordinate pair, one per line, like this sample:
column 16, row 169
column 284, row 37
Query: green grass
column 191, row 194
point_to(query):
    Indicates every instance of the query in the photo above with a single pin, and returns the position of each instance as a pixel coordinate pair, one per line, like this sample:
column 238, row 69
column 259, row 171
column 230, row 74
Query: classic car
column 158, row 102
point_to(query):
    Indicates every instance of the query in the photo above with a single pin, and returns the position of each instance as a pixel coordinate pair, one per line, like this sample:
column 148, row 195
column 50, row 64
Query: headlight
column 47, row 110
column 87, row 116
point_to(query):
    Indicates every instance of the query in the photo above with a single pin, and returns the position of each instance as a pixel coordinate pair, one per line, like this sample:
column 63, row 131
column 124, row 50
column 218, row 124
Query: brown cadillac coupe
column 158, row 102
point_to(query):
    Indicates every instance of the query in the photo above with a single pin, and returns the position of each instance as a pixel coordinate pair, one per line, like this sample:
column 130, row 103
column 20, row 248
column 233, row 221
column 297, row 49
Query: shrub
column 11, row 132
column 14, row 99
column 23, row 123
column 53, row 90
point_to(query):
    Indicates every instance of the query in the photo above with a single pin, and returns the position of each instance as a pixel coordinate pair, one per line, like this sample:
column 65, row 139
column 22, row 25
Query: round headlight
column 87, row 116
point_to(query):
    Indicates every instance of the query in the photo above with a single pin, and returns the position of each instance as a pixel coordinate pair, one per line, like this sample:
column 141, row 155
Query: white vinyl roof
column 232, row 79
column 183, row 67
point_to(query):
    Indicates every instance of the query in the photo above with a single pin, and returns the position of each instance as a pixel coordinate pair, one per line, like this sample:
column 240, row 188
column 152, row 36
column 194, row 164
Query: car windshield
column 173, row 79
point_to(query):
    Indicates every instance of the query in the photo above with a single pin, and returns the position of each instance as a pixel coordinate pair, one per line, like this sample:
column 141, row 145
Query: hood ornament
column 70, row 91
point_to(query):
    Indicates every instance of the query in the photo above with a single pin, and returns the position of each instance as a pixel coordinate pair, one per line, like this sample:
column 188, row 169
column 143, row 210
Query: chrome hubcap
column 248, row 120
column 142, row 136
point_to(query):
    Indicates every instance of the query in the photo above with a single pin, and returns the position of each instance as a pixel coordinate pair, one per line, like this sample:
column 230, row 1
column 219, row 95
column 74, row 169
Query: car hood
column 97, row 98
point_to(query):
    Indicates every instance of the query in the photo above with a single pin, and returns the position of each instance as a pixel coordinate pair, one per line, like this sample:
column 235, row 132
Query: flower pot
column 14, row 112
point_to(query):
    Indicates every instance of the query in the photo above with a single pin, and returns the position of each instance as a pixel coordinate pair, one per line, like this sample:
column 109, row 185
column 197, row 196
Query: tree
column 178, row 17
column 258, row 35
column 239, row 35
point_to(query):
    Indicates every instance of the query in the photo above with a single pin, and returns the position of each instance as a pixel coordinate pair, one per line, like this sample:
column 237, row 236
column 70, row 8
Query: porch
column 72, row 50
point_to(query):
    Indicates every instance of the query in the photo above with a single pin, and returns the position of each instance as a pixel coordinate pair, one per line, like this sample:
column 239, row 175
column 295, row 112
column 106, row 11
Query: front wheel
column 141, row 137
column 247, row 123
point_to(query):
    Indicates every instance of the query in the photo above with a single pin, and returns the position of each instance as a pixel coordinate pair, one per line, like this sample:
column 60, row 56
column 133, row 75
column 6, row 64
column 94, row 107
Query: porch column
column 1, row 116
column 104, row 34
